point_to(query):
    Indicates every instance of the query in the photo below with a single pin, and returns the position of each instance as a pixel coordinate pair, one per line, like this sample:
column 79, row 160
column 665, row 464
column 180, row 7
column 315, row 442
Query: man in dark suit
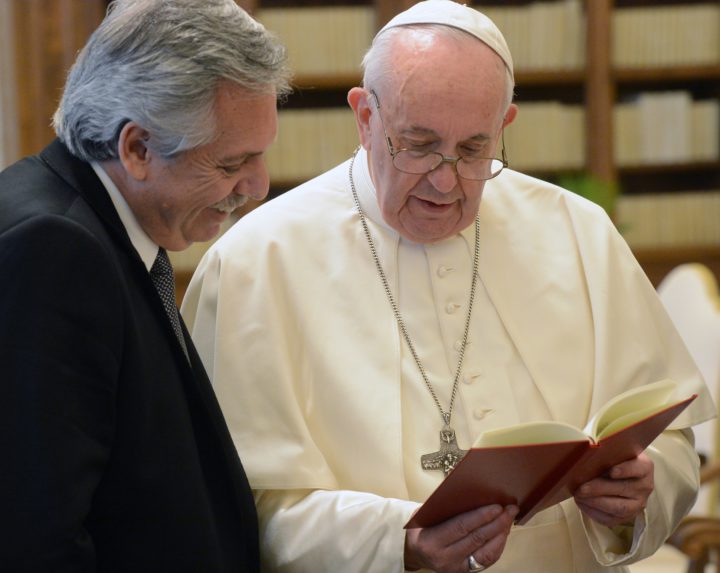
column 115, row 455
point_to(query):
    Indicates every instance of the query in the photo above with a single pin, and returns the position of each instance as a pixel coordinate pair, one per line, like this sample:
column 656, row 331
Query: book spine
column 554, row 488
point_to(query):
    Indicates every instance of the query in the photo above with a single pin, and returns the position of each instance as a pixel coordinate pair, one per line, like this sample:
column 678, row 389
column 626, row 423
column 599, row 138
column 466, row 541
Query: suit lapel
column 80, row 175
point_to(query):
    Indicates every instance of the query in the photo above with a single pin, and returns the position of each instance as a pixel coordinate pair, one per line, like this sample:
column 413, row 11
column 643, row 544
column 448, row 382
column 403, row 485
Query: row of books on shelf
column 542, row 35
column 670, row 219
column 547, row 35
column 546, row 135
column 666, row 127
column 311, row 141
column 660, row 36
column 322, row 40
column 655, row 128
column 325, row 40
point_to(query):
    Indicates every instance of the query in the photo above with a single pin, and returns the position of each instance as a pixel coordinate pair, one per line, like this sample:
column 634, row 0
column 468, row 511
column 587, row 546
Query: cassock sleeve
column 308, row 531
column 636, row 341
column 676, row 478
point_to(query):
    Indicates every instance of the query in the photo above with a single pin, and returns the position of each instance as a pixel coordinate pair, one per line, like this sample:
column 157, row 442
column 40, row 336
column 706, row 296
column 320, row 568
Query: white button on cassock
column 443, row 271
column 480, row 413
column 471, row 377
column 451, row 307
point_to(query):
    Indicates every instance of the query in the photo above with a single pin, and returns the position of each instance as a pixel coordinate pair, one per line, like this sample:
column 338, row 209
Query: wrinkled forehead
column 456, row 77
column 458, row 16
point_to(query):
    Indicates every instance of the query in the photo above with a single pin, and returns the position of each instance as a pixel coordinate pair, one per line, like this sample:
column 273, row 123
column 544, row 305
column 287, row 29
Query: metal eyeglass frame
column 444, row 158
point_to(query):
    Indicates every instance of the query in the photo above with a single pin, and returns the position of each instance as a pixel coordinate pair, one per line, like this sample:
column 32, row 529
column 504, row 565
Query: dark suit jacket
column 114, row 455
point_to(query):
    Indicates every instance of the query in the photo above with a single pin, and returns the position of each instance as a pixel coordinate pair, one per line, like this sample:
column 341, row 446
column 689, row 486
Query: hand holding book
column 538, row 464
column 618, row 496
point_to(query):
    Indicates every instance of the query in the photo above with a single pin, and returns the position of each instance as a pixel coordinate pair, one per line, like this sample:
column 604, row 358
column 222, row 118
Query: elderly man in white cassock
column 417, row 295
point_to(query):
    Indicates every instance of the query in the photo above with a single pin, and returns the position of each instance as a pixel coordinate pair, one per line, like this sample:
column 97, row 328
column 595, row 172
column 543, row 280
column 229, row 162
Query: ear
column 510, row 115
column 359, row 100
column 133, row 152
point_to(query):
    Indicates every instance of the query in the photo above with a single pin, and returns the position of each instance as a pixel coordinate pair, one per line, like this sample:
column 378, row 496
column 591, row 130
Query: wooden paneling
column 599, row 92
column 48, row 36
column 8, row 96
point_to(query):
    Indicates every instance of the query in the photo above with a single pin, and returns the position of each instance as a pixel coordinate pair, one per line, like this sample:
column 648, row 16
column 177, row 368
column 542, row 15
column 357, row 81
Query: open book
column 538, row 464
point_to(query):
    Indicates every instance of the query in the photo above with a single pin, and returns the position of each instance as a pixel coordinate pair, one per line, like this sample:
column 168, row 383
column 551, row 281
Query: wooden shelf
column 335, row 81
column 557, row 78
column 664, row 178
column 710, row 73
column 657, row 263
column 709, row 166
column 652, row 3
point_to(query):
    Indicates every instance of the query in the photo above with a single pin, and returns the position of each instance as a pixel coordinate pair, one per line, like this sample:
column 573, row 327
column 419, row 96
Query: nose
column 257, row 184
column 444, row 177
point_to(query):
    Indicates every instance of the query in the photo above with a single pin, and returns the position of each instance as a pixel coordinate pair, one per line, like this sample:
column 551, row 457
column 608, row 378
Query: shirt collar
column 144, row 245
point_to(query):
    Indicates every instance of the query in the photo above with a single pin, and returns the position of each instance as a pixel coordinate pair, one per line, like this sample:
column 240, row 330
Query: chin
column 205, row 234
column 424, row 238
column 431, row 229
column 177, row 245
column 429, row 235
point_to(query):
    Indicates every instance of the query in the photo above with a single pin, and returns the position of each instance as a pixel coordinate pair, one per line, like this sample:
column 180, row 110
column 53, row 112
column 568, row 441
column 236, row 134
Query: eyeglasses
column 423, row 162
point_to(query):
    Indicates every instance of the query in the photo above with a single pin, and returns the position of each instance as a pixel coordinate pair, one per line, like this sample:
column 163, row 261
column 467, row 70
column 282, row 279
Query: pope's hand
column 619, row 496
column 446, row 547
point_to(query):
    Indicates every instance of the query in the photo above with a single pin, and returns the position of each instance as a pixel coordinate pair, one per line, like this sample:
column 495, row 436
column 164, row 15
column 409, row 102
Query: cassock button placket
column 164, row 280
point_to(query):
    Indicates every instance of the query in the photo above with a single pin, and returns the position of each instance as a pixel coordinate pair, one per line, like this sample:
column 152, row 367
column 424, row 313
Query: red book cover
column 535, row 476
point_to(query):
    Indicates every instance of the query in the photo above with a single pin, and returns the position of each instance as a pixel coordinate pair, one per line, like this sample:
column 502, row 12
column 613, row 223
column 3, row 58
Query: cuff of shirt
column 614, row 545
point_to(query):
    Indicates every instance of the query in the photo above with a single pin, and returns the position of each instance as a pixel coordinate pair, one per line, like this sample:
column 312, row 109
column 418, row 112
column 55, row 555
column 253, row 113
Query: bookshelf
column 586, row 96
column 678, row 185
column 47, row 37
column 592, row 86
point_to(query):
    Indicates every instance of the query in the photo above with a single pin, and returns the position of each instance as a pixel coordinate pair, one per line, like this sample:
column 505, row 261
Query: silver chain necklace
column 449, row 454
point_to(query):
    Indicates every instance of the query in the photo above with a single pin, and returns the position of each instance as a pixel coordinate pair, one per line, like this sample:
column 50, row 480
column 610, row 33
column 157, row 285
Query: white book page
column 630, row 407
column 529, row 433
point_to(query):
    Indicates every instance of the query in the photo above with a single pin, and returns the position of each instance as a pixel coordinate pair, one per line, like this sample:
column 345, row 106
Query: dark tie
column 164, row 280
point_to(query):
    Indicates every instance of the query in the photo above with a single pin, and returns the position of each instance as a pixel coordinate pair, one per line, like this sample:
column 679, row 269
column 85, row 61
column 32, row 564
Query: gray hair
column 159, row 63
column 377, row 62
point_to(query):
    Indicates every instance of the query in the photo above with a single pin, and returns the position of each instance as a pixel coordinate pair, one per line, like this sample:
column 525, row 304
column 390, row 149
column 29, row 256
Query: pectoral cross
column 447, row 457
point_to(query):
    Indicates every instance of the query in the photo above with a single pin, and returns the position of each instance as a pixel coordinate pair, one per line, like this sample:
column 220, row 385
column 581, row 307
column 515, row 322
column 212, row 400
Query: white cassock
column 327, row 407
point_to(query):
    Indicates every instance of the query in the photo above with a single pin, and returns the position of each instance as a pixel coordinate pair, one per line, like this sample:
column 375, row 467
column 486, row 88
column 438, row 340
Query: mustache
column 230, row 203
